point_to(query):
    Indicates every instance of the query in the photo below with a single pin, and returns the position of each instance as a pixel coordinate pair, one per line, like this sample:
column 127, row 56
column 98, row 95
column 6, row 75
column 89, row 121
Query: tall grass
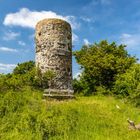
column 25, row 116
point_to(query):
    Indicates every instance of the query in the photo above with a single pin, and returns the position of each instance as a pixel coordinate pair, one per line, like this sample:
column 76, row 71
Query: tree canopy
column 23, row 68
column 101, row 62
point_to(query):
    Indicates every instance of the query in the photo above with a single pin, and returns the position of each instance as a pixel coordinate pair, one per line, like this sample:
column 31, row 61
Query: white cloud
column 5, row 49
column 87, row 19
column 75, row 38
column 5, row 68
column 10, row 35
column 21, row 43
column 27, row 18
column 86, row 42
column 131, row 40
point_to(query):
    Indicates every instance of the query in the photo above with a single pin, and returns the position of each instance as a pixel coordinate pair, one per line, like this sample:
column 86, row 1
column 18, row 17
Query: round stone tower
column 54, row 52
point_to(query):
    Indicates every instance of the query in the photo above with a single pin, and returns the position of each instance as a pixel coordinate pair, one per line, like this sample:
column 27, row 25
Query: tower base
column 58, row 94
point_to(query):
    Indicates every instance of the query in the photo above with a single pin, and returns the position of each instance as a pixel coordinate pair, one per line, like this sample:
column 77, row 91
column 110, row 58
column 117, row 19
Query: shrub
column 26, row 74
column 128, row 84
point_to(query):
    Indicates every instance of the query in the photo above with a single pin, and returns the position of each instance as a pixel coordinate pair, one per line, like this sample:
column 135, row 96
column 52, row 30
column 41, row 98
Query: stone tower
column 54, row 52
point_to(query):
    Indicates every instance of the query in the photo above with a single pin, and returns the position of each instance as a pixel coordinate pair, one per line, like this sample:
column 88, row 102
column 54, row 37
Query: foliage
column 24, row 67
column 26, row 74
column 101, row 62
column 49, row 75
column 23, row 115
column 102, row 91
column 128, row 84
column 45, row 80
column 3, row 82
column 106, row 68
column 77, row 85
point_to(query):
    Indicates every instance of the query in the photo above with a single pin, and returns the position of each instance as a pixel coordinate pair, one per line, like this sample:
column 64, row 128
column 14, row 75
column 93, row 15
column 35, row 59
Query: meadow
column 24, row 115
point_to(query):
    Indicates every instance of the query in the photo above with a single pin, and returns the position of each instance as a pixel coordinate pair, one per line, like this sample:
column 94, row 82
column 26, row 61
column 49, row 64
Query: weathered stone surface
column 54, row 51
column 59, row 96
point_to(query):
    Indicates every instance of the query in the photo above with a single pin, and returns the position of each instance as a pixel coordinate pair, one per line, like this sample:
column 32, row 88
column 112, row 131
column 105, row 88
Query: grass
column 25, row 116
column 98, row 118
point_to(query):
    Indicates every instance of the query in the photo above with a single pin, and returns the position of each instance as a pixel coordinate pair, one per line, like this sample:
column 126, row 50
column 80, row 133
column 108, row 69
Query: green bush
column 26, row 74
column 24, row 67
column 102, row 91
column 101, row 62
column 128, row 84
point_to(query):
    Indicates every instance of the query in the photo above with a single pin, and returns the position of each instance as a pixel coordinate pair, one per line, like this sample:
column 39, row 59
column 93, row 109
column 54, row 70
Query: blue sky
column 91, row 21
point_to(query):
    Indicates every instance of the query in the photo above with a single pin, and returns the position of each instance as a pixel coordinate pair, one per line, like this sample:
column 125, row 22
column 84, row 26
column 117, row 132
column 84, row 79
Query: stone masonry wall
column 54, row 51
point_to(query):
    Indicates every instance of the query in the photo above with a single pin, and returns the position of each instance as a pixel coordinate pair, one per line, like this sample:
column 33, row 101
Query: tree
column 128, row 84
column 24, row 67
column 101, row 62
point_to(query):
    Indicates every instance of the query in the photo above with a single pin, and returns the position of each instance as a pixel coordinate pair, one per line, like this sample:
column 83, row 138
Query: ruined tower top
column 54, row 51
column 53, row 21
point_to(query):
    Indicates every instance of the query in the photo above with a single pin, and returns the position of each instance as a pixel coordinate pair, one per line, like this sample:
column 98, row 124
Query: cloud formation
column 27, row 18
column 75, row 38
column 21, row 43
column 10, row 35
column 86, row 42
column 87, row 19
column 131, row 40
column 5, row 49
column 5, row 68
